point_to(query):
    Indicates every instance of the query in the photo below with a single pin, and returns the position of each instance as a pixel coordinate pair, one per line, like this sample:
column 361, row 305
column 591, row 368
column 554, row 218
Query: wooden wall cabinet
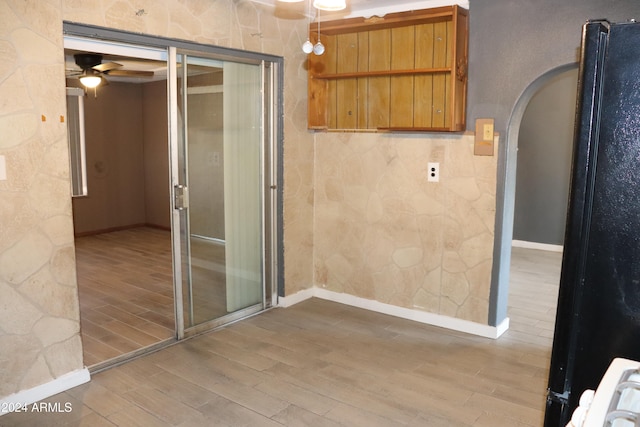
column 405, row 71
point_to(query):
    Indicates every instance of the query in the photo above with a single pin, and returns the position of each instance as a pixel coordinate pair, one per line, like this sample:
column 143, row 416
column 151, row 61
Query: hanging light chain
column 307, row 47
column 318, row 49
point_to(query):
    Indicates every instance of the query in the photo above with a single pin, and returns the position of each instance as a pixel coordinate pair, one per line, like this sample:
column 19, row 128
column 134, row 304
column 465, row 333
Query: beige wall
column 114, row 140
column 156, row 155
column 127, row 158
column 380, row 230
column 39, row 320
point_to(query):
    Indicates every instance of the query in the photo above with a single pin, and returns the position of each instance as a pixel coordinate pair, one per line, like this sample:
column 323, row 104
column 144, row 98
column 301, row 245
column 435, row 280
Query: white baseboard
column 393, row 310
column 35, row 394
column 295, row 298
column 535, row 245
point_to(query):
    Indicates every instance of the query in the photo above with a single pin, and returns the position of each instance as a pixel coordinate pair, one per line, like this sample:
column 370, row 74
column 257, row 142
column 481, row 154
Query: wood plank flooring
column 320, row 363
column 208, row 281
column 125, row 287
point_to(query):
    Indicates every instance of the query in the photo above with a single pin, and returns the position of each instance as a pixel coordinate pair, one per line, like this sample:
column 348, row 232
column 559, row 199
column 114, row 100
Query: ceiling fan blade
column 107, row 66
column 129, row 73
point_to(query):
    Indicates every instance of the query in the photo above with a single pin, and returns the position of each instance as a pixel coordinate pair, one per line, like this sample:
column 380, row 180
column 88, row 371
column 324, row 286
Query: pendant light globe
column 318, row 49
column 307, row 47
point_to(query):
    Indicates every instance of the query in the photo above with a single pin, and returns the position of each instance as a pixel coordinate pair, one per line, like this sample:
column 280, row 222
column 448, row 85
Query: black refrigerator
column 598, row 315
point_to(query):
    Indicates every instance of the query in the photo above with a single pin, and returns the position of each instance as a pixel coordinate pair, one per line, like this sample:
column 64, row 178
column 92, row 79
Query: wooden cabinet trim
column 390, row 20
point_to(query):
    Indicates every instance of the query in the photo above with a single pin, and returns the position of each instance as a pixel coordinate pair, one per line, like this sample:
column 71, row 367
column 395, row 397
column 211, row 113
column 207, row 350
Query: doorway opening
column 176, row 219
column 545, row 145
column 539, row 158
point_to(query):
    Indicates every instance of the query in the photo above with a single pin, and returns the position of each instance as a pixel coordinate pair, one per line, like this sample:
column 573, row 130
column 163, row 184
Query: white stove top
column 616, row 402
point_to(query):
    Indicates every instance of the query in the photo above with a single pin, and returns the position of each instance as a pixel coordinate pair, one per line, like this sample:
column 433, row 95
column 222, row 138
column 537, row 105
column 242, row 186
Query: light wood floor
column 125, row 287
column 320, row 363
column 208, row 282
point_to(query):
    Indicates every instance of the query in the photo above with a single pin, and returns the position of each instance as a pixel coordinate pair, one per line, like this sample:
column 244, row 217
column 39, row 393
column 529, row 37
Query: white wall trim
column 439, row 320
column 294, row 299
column 35, row 394
column 535, row 245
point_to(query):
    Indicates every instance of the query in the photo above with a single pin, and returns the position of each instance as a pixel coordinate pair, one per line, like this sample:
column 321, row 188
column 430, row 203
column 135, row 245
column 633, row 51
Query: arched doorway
column 505, row 224
column 545, row 145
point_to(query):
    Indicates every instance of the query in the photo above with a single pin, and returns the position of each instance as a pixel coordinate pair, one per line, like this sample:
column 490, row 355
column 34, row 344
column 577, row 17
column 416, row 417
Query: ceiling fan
column 93, row 69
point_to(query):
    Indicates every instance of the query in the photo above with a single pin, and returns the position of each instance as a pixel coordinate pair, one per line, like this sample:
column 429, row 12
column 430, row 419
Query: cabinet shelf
column 414, row 129
column 381, row 73
column 401, row 72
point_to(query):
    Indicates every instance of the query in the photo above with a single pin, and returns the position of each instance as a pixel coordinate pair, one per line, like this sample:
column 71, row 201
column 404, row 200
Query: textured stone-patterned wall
column 39, row 320
column 381, row 231
column 384, row 233
column 239, row 24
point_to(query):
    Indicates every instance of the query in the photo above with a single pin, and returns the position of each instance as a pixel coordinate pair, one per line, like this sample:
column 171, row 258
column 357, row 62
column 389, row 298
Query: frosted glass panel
column 222, row 157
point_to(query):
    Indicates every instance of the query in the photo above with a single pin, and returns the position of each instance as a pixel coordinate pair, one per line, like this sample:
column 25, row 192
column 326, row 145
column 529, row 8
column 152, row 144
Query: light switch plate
column 3, row 169
column 487, row 132
column 483, row 145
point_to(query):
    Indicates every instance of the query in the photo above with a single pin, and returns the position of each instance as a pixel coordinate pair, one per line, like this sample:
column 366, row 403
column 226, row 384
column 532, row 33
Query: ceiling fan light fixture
column 89, row 79
column 330, row 5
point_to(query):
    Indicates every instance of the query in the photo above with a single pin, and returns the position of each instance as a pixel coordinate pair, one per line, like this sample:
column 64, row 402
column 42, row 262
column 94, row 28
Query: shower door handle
column 180, row 197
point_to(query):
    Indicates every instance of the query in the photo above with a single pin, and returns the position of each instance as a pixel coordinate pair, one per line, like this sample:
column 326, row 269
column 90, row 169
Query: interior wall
column 511, row 44
column 157, row 203
column 39, row 315
column 545, row 145
column 126, row 129
column 127, row 146
column 384, row 233
column 114, row 142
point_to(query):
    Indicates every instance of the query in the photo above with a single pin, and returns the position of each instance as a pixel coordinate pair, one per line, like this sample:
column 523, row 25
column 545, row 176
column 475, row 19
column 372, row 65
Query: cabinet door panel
column 440, row 48
column 423, row 90
column 330, row 55
column 318, row 90
column 440, row 56
column 346, row 90
column 448, row 110
column 439, row 100
column 363, row 83
column 402, row 58
column 379, row 87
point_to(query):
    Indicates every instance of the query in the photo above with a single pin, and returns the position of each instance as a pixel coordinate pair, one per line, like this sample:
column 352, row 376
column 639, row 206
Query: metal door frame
column 273, row 254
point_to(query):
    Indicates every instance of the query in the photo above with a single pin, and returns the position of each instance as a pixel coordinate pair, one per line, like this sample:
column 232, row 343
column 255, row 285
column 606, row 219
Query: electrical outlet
column 433, row 172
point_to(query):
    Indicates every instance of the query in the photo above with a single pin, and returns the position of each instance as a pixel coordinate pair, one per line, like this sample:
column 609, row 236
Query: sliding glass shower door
column 219, row 189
